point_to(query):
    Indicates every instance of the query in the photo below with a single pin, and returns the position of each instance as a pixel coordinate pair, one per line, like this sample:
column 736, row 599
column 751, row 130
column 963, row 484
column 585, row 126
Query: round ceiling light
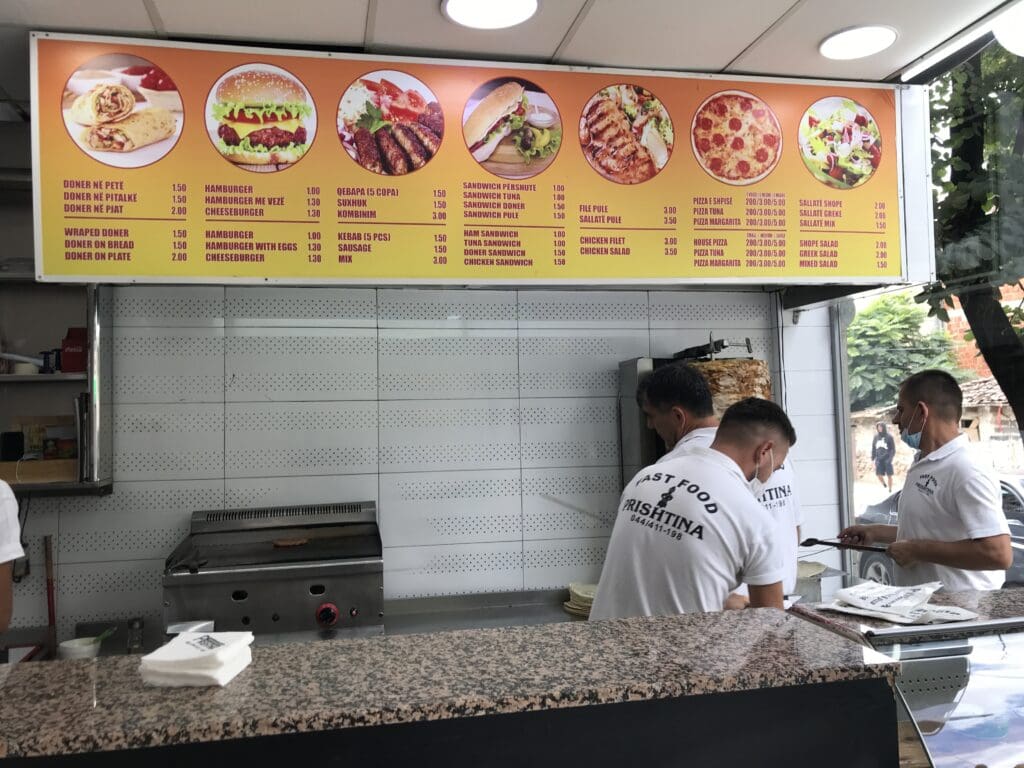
column 1009, row 29
column 858, row 42
column 485, row 14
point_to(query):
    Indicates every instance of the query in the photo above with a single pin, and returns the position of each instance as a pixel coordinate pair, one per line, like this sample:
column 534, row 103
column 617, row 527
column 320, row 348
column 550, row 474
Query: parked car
column 879, row 567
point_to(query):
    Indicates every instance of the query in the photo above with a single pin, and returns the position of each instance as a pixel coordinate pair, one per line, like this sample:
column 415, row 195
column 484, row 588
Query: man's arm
column 766, row 595
column 6, row 598
column 868, row 534
column 992, row 553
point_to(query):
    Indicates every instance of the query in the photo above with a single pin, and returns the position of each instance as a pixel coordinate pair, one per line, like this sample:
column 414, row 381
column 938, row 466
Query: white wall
column 482, row 422
column 805, row 352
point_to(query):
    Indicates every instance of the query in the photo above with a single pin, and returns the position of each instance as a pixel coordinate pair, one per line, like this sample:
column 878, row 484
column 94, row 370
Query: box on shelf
column 39, row 471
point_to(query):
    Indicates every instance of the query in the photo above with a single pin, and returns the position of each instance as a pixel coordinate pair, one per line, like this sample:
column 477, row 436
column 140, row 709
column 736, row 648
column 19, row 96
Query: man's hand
column 904, row 553
column 735, row 602
column 868, row 534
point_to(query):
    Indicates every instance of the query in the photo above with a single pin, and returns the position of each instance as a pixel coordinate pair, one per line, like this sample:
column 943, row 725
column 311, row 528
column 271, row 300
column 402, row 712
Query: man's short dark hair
column 676, row 384
column 938, row 389
column 752, row 414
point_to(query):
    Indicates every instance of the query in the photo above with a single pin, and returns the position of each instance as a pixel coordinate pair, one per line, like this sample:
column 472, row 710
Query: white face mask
column 756, row 484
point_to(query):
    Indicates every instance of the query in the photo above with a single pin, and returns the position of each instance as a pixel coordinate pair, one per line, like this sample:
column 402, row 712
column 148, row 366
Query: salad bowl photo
column 840, row 142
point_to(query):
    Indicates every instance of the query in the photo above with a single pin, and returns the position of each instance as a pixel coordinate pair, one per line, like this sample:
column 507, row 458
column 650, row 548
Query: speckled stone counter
column 68, row 707
column 995, row 606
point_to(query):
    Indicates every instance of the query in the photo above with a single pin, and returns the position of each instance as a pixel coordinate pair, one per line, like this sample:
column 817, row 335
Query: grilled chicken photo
column 626, row 134
column 611, row 145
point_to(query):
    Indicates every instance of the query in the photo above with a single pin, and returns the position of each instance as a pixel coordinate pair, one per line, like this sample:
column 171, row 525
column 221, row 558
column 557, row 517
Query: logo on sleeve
column 927, row 484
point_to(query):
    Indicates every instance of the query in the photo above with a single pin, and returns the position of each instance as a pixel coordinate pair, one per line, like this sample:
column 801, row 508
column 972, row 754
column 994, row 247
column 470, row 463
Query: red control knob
column 327, row 615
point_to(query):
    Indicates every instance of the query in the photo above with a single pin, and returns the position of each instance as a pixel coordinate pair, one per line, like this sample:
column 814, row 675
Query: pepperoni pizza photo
column 736, row 137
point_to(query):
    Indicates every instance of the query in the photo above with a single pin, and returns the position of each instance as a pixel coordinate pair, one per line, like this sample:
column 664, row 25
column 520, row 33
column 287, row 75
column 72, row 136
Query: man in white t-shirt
column 689, row 530
column 10, row 549
column 677, row 402
column 951, row 523
column 679, row 406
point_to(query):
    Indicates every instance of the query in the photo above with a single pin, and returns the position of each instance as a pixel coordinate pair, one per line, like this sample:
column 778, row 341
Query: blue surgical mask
column 913, row 439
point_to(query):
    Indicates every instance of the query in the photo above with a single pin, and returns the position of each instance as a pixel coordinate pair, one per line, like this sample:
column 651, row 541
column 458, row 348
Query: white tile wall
column 484, row 423
column 443, row 364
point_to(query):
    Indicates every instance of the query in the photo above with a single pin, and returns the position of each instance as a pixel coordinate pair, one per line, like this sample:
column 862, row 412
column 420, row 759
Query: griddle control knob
column 327, row 615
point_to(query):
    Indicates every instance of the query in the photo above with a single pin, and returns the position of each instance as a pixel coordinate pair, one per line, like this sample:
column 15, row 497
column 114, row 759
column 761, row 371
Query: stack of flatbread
column 113, row 125
column 581, row 598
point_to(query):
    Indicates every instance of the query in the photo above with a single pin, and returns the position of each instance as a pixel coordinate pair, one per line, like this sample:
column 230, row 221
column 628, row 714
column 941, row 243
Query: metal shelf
column 33, row 378
column 100, row 488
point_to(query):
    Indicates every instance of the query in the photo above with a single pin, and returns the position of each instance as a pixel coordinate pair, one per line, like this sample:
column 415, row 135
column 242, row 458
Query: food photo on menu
column 839, row 142
column 736, row 137
column 261, row 118
column 122, row 110
column 390, row 122
column 512, row 128
column 626, row 133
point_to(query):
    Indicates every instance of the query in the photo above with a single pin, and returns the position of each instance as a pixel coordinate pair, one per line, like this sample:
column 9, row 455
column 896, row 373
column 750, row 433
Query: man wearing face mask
column 951, row 523
column 678, row 403
column 690, row 530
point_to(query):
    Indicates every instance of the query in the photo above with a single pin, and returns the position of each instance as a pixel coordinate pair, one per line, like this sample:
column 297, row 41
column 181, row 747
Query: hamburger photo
column 513, row 130
column 262, row 117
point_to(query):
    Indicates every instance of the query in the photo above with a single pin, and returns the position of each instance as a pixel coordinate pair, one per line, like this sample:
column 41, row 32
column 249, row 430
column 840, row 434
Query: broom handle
column 51, row 601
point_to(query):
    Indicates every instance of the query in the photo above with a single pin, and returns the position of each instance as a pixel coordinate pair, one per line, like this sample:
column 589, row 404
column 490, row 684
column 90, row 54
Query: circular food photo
column 261, row 118
column 512, row 128
column 736, row 137
column 390, row 122
column 122, row 110
column 839, row 142
column 626, row 134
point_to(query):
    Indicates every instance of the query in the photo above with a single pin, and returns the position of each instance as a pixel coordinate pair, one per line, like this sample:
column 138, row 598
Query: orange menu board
column 188, row 163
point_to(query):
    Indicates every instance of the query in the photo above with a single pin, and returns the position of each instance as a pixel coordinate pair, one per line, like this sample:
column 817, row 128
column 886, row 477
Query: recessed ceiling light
column 1009, row 29
column 488, row 14
column 857, row 43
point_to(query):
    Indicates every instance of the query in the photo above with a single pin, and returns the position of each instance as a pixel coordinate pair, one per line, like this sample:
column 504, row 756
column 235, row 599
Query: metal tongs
column 843, row 545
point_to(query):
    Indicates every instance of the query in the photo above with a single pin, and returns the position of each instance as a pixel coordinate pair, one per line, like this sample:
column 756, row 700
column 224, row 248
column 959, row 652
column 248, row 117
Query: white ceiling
column 769, row 37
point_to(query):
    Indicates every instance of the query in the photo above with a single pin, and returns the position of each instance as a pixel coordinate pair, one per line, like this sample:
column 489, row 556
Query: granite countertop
column 69, row 707
column 990, row 606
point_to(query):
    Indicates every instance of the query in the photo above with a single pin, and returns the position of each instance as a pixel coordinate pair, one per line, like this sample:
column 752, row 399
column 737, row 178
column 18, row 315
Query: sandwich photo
column 390, row 123
column 138, row 130
column 122, row 126
column 512, row 128
column 626, row 133
column 260, row 115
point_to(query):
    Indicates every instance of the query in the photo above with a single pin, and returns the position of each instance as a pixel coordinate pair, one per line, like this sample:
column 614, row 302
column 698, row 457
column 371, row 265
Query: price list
column 157, row 196
column 106, row 221
column 513, row 226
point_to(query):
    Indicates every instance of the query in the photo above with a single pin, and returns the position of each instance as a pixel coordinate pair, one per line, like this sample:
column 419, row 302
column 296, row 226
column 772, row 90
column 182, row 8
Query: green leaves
column 886, row 343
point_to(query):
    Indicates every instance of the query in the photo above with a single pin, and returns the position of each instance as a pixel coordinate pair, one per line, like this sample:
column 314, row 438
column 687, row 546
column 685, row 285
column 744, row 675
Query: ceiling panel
column 669, row 34
column 324, row 22
column 417, row 25
column 109, row 16
column 791, row 48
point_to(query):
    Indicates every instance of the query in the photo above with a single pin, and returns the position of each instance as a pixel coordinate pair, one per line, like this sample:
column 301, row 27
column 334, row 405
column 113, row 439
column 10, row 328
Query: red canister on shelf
column 74, row 351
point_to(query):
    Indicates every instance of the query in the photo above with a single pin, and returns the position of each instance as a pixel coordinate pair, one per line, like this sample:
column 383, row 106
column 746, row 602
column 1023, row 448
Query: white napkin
column 197, row 651
column 923, row 614
column 221, row 675
column 900, row 605
column 880, row 597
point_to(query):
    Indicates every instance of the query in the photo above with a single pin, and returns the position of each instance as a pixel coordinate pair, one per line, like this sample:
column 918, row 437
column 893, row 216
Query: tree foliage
column 977, row 114
column 885, row 344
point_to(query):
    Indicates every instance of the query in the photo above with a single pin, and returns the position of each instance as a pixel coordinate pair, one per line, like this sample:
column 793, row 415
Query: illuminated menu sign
column 166, row 162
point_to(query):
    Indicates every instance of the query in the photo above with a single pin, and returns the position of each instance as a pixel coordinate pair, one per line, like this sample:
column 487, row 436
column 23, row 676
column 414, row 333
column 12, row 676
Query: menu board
column 158, row 161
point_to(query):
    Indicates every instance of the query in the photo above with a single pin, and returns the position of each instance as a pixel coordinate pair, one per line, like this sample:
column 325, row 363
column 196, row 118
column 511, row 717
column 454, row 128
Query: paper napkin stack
column 900, row 605
column 198, row 658
column 581, row 599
